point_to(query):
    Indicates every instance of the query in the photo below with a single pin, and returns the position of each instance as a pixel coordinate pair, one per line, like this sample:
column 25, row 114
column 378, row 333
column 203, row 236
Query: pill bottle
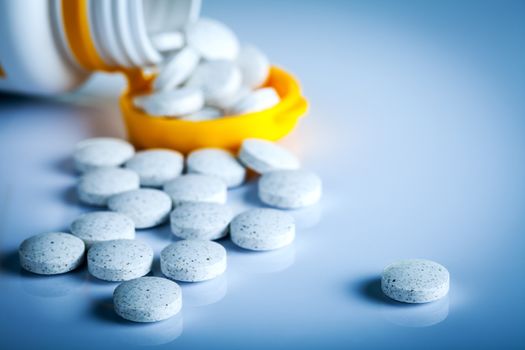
column 48, row 47
column 51, row 46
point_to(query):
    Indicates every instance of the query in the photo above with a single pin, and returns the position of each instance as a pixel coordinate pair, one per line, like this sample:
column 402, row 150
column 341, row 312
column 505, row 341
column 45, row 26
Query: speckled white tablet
column 212, row 39
column 207, row 113
column 256, row 101
column 51, row 253
column 218, row 163
column 290, row 189
column 146, row 207
column 102, row 226
column 193, row 260
column 147, row 299
column 167, row 41
column 218, row 80
column 119, row 260
column 262, row 229
column 415, row 281
column 155, row 167
column 101, row 152
column 95, row 187
column 254, row 65
column 176, row 69
column 171, row 103
column 263, row 156
column 201, row 220
column 192, row 188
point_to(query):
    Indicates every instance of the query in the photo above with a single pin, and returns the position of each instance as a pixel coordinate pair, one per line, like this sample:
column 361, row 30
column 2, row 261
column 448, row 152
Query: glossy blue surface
column 417, row 128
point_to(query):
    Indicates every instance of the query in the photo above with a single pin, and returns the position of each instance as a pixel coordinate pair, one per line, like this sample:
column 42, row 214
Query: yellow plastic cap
column 146, row 131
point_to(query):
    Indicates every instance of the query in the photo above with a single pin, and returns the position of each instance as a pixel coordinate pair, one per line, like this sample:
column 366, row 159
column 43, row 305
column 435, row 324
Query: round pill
column 95, row 187
column 146, row 207
column 101, row 152
column 218, row 80
column 254, row 66
column 193, row 260
column 192, row 188
column 51, row 253
column 147, row 299
column 207, row 113
column 256, row 101
column 201, row 220
column 262, row 229
column 119, row 260
column 102, row 226
column 167, row 41
column 171, row 103
column 155, row 167
column 218, row 163
column 212, row 39
column 176, row 69
column 263, row 156
column 290, row 189
column 227, row 103
column 415, row 281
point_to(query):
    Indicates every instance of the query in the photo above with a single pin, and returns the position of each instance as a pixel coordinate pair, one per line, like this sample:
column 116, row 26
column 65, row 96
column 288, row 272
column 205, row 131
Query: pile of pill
column 136, row 190
column 206, row 74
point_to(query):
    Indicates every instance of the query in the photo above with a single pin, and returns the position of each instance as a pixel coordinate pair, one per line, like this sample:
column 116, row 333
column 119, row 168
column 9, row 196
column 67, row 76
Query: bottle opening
column 122, row 29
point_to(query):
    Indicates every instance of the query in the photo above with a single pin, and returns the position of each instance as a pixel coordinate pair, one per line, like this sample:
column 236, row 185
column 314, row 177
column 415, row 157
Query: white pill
column 290, row 189
column 93, row 141
column 95, row 187
column 218, row 163
column 218, row 80
column 119, row 260
column 207, row 113
column 147, row 299
column 256, row 101
column 101, row 152
column 167, row 41
column 171, row 103
column 415, row 281
column 146, row 207
column 262, row 229
column 254, row 66
column 155, row 167
column 193, row 260
column 176, row 69
column 192, row 188
column 51, row 253
column 227, row 103
column 204, row 221
column 212, row 39
column 263, row 156
column 101, row 226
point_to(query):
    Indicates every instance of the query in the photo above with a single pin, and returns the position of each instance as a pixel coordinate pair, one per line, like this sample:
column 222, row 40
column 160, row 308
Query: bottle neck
column 115, row 34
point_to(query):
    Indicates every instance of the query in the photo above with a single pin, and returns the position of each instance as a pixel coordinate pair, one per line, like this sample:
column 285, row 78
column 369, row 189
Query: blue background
column 416, row 127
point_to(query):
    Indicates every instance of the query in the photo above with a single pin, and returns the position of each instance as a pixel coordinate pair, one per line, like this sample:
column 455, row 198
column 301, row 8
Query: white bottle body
column 36, row 58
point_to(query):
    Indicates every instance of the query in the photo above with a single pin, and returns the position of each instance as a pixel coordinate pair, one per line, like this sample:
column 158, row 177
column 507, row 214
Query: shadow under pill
column 65, row 165
column 103, row 310
column 10, row 263
column 70, row 197
column 154, row 333
column 370, row 289
column 204, row 293
column 398, row 313
column 418, row 315
column 53, row 286
column 251, row 195
column 271, row 261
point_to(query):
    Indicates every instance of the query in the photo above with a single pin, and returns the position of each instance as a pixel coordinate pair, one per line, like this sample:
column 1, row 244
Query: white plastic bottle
column 52, row 46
